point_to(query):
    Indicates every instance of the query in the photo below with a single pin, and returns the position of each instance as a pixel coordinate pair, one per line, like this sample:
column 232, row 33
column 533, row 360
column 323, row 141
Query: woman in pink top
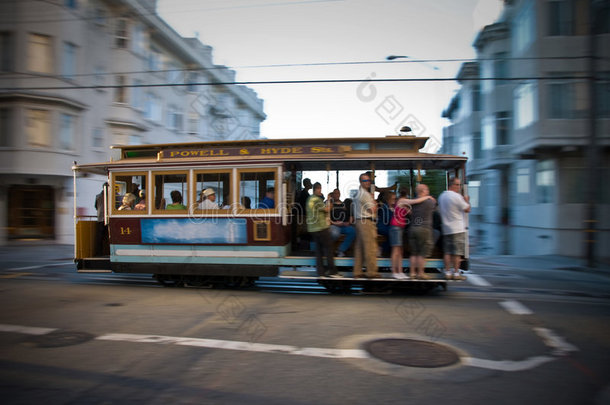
column 397, row 228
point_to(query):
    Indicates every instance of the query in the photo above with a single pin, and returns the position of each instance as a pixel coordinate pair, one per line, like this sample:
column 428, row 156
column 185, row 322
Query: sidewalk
column 17, row 255
column 541, row 262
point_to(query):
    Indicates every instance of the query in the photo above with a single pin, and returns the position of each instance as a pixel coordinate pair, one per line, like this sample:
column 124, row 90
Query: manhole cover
column 412, row 353
column 60, row 338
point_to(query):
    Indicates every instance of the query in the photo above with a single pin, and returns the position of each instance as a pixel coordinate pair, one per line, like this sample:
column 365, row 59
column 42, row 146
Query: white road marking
column 40, row 266
column 555, row 341
column 515, row 307
column 28, row 330
column 507, row 365
column 499, row 365
column 477, row 280
column 236, row 345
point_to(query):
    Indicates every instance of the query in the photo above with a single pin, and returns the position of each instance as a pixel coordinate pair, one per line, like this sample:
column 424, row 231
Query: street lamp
column 394, row 57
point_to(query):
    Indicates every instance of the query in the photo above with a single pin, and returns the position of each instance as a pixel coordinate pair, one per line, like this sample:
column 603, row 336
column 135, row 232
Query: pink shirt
column 400, row 216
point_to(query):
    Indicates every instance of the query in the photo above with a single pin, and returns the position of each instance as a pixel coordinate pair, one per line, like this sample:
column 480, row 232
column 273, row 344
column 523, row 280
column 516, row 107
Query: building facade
column 526, row 117
column 78, row 76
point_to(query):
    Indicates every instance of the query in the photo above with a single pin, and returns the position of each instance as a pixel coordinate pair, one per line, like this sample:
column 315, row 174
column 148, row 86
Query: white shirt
column 208, row 205
column 364, row 205
column 452, row 206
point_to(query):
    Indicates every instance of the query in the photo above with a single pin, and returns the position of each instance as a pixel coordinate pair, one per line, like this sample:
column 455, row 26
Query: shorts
column 454, row 244
column 420, row 241
column 395, row 235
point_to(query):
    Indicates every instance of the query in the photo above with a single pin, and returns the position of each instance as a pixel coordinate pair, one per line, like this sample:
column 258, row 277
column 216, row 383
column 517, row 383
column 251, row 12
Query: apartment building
column 80, row 75
column 524, row 115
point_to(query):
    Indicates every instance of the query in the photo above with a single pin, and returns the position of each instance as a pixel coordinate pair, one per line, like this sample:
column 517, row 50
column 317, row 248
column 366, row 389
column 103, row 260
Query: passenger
column 452, row 206
column 341, row 222
column 246, row 202
column 176, row 204
column 128, row 202
column 142, row 204
column 365, row 212
column 101, row 235
column 318, row 226
column 209, row 202
column 420, row 231
column 385, row 212
column 268, row 201
column 299, row 228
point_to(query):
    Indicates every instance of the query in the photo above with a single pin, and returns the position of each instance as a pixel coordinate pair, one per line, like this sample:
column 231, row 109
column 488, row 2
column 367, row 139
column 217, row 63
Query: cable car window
column 171, row 192
column 127, row 189
column 213, row 191
column 257, row 189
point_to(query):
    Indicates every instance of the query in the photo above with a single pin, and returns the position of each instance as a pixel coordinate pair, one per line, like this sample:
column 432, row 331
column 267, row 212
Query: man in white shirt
column 365, row 214
column 452, row 206
column 210, row 200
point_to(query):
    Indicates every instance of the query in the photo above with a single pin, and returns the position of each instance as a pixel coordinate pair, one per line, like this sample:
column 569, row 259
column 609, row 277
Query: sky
column 258, row 38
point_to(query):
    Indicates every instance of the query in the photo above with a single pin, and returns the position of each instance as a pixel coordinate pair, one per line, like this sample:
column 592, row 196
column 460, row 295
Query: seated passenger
column 209, row 202
column 267, row 201
column 142, row 204
column 176, row 201
column 246, row 202
column 128, row 202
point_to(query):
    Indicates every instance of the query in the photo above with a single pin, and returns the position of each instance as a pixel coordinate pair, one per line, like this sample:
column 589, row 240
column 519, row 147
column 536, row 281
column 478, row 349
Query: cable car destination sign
column 252, row 151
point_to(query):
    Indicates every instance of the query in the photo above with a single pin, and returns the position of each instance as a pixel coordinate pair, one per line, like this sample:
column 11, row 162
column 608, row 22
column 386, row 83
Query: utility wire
column 249, row 83
column 285, row 65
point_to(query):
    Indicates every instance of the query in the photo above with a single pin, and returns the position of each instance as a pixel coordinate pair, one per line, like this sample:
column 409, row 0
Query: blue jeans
column 348, row 231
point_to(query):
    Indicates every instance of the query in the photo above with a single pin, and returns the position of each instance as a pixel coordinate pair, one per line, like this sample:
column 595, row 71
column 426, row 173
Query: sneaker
column 403, row 276
column 340, row 254
column 397, row 276
column 448, row 275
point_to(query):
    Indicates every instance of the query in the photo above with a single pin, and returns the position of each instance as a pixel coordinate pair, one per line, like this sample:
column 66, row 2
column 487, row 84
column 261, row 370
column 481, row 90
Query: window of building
column 253, row 185
column 6, row 52
column 137, row 95
column 567, row 97
column 154, row 59
column 121, row 34
column 38, row 127
column 220, row 183
column 487, row 73
column 139, row 39
column 502, row 128
column 5, row 126
column 174, row 73
column 68, row 65
column 171, row 192
column 120, row 91
column 476, row 146
column 561, row 17
column 545, row 181
column 67, row 131
column 573, row 181
column 98, row 138
column 194, row 123
column 40, row 53
column 154, row 108
column 500, row 67
column 126, row 187
column 487, row 126
column 476, row 97
column 175, row 118
column 524, row 28
column 523, row 180
column 526, row 105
